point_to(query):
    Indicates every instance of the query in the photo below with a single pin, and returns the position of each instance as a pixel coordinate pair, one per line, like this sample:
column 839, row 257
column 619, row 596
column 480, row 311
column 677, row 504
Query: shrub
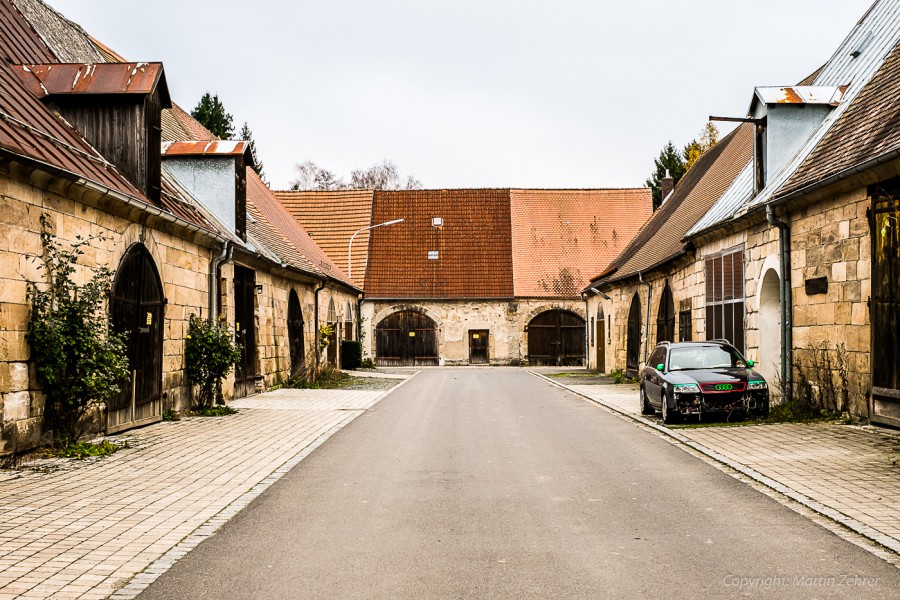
column 80, row 362
column 351, row 355
column 210, row 352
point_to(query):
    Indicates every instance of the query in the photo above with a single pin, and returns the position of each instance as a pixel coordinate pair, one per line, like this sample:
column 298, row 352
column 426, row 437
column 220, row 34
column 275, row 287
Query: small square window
column 437, row 221
column 432, row 255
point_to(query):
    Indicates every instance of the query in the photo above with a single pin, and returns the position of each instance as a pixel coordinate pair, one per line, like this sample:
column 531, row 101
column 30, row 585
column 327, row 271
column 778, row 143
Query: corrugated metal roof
column 205, row 148
column 331, row 218
column 19, row 42
column 660, row 239
column 562, row 237
column 853, row 64
column 739, row 192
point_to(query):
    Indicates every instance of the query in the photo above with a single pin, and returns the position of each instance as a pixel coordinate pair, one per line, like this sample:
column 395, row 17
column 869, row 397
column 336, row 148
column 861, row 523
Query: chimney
column 668, row 184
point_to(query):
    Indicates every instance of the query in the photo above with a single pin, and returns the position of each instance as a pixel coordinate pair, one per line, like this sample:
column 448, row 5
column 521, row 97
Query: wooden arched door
column 556, row 337
column 406, row 338
column 137, row 310
column 665, row 317
column 295, row 332
column 601, row 340
column 633, row 338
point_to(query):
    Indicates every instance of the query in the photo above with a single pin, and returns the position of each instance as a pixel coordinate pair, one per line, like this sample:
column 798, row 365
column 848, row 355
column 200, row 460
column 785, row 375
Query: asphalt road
column 490, row 483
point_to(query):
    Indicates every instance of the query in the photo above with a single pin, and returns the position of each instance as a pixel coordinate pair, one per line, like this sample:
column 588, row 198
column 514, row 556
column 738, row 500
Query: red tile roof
column 275, row 226
column 474, row 254
column 331, row 218
column 561, row 237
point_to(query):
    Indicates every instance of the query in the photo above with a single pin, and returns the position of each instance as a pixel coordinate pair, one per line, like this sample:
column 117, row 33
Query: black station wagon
column 700, row 378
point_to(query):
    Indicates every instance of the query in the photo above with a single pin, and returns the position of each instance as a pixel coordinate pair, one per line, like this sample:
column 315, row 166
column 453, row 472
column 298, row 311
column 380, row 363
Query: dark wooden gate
column 295, row 332
column 137, row 309
column 665, row 317
column 601, row 341
column 406, row 339
column 885, row 304
column 245, row 331
column 556, row 337
column 478, row 346
column 633, row 339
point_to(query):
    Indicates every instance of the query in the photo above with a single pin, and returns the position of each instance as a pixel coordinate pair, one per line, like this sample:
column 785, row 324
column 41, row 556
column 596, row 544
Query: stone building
column 474, row 276
column 87, row 160
column 785, row 262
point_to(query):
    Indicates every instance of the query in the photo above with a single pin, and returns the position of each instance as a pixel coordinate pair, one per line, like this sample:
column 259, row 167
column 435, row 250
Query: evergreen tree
column 211, row 113
column 247, row 135
column 669, row 159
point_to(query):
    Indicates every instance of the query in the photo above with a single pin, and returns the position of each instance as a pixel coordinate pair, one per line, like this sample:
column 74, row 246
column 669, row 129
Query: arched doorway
column 601, row 340
column 295, row 332
column 333, row 337
column 633, row 337
column 769, row 359
column 406, row 339
column 137, row 310
column 245, row 330
column 556, row 337
column 665, row 317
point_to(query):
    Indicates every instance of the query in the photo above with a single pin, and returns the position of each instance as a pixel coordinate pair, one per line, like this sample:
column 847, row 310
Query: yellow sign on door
column 149, row 318
column 412, row 334
column 475, row 336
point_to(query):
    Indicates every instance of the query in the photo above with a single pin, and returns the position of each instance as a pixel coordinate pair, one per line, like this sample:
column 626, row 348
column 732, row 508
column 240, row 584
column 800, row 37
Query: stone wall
column 506, row 321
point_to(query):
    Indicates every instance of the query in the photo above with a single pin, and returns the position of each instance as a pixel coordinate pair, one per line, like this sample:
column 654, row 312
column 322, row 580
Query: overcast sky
column 466, row 93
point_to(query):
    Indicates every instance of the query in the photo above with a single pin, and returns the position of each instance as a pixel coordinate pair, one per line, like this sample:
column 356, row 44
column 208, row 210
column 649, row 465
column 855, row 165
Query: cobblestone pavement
column 848, row 473
column 85, row 529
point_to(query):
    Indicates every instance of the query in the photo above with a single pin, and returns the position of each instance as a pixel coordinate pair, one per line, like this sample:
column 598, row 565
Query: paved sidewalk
column 848, row 473
column 75, row 529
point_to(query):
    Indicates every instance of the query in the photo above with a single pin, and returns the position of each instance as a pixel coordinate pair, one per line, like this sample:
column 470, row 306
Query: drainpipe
column 214, row 265
column 316, row 319
column 784, row 248
column 587, row 333
column 647, row 319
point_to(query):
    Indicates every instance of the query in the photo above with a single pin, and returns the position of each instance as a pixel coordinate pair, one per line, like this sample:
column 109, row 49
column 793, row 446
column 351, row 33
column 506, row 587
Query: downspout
column 587, row 333
column 646, row 320
column 316, row 318
column 784, row 248
column 214, row 265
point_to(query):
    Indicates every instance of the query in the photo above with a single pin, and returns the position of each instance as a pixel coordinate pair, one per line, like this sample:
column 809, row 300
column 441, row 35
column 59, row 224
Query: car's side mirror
column 750, row 363
column 660, row 367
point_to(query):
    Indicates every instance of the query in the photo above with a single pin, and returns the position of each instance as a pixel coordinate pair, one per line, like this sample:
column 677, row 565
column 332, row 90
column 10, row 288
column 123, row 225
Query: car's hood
column 726, row 375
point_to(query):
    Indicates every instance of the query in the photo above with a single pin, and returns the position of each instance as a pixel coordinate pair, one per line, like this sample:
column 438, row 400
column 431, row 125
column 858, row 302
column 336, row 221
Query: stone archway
column 633, row 337
column 406, row 338
column 556, row 337
column 769, row 359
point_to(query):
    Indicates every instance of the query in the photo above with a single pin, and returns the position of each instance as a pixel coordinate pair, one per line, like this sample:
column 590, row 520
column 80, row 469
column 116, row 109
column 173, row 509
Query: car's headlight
column 757, row 385
column 686, row 388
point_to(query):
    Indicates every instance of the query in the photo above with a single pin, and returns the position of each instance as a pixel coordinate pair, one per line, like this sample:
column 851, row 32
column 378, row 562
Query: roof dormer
column 214, row 172
column 785, row 118
column 117, row 107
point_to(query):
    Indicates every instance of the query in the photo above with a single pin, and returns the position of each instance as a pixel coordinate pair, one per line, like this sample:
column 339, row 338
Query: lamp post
column 350, row 245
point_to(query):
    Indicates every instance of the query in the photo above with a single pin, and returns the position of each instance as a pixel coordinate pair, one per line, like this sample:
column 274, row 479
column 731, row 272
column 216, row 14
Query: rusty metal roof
column 800, row 94
column 205, row 148
column 54, row 79
column 19, row 42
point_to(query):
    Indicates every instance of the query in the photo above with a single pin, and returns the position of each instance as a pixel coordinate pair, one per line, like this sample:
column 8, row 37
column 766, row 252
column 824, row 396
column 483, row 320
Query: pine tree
column 211, row 113
column 669, row 159
column 247, row 135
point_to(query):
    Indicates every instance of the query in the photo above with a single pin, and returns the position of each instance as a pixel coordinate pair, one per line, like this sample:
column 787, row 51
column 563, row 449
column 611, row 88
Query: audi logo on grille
column 724, row 387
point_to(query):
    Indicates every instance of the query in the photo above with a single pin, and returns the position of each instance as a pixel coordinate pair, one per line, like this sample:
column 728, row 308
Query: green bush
column 80, row 362
column 210, row 352
column 351, row 355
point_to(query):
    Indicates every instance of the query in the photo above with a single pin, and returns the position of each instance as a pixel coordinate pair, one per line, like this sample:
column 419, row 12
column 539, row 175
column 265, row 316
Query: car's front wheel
column 668, row 415
column 646, row 409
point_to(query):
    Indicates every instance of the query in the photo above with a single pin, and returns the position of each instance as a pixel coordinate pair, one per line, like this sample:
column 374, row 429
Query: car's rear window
column 704, row 357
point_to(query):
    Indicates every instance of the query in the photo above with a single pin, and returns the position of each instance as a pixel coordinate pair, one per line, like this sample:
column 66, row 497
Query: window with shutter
column 724, row 274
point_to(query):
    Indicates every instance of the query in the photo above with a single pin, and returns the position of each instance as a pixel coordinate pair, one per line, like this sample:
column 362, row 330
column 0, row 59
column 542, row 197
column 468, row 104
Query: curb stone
column 835, row 515
column 141, row 581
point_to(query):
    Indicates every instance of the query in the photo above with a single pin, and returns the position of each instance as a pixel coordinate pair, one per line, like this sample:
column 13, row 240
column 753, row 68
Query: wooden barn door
column 885, row 304
column 406, row 339
column 601, row 342
column 137, row 309
column 478, row 346
column 245, row 331
column 295, row 332
column 665, row 317
column 556, row 337
column 633, row 341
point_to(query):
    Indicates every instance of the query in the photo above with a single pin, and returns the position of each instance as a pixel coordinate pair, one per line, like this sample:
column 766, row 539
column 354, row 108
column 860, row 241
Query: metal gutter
column 646, row 320
column 787, row 321
column 316, row 318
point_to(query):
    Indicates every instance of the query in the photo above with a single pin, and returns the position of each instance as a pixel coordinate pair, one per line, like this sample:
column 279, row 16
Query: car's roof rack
column 664, row 343
column 722, row 340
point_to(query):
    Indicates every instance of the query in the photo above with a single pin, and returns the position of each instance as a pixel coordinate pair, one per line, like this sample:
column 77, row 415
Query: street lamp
column 350, row 245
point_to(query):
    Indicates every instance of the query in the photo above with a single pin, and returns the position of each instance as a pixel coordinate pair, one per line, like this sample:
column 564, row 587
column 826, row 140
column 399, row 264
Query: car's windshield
column 704, row 357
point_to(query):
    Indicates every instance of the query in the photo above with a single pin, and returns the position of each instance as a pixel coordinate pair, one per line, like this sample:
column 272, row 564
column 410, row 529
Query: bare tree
column 383, row 176
column 310, row 176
